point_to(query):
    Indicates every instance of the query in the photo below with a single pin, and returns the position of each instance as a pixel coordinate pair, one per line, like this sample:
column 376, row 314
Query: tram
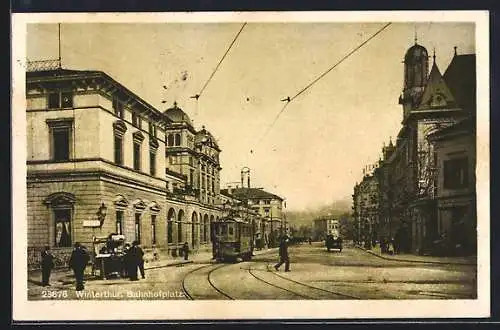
column 233, row 239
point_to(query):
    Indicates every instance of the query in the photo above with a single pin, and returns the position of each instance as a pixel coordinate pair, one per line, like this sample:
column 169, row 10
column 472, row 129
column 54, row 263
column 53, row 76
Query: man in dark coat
column 185, row 250
column 47, row 264
column 132, row 262
column 78, row 262
column 283, row 252
column 139, row 255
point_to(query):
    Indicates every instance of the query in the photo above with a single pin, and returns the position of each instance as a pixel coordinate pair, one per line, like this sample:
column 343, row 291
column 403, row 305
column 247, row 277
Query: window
column 118, row 149
column 170, row 226
column 60, row 100
column 153, row 229
column 191, row 160
column 60, row 132
column 456, row 173
column 138, row 227
column 118, row 107
column 119, row 222
column 170, row 140
column 230, row 230
column 191, row 176
column 179, row 232
column 136, row 120
column 152, row 163
column 177, row 139
column 137, row 156
column 62, row 222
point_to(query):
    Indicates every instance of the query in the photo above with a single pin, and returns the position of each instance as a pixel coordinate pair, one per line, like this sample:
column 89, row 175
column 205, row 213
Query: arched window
column 170, row 225
column 170, row 140
column 180, row 219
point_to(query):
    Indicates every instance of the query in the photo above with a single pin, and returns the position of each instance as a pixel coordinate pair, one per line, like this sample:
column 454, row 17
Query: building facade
column 408, row 171
column 271, row 223
column 100, row 160
column 366, row 213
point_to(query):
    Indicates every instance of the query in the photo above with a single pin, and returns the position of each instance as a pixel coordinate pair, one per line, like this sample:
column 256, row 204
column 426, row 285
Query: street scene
column 252, row 160
column 315, row 274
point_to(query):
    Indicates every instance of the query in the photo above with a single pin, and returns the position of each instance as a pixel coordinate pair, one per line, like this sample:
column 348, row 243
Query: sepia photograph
column 250, row 165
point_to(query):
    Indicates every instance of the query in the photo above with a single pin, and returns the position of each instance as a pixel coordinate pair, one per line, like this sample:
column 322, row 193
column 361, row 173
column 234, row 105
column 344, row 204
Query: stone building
column 100, row 161
column 271, row 223
column 408, row 171
column 366, row 212
column 455, row 149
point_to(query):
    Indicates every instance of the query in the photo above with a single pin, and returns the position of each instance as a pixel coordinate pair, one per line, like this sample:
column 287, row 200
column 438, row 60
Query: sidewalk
column 64, row 276
column 472, row 261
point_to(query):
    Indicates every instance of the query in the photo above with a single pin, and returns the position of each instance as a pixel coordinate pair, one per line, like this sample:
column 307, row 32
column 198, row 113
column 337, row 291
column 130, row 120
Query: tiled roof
column 251, row 193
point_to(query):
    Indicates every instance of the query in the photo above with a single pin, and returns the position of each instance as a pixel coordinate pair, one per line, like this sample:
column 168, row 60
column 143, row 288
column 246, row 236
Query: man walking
column 47, row 265
column 78, row 262
column 185, row 250
column 283, row 253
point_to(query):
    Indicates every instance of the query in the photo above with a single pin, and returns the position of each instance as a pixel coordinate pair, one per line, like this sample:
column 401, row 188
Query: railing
column 44, row 65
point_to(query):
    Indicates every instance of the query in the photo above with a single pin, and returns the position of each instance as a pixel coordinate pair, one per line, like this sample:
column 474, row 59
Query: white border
column 167, row 310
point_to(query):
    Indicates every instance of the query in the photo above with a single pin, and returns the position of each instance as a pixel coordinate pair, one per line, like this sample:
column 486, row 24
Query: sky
column 316, row 150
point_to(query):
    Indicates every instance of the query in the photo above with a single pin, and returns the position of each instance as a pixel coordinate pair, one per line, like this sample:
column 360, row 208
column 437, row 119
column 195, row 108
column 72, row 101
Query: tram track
column 304, row 285
column 208, row 277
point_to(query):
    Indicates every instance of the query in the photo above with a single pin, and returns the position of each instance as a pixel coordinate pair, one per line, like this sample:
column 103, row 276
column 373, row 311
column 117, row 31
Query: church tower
column 416, row 66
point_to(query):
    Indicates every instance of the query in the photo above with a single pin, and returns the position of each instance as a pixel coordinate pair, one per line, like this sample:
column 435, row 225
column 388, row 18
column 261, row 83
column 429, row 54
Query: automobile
column 333, row 242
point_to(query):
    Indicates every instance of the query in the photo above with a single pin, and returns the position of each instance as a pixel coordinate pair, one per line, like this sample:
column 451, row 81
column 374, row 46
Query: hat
column 135, row 243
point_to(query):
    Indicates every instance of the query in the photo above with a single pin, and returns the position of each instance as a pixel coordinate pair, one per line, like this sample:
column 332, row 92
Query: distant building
column 272, row 222
column 325, row 225
column 366, row 213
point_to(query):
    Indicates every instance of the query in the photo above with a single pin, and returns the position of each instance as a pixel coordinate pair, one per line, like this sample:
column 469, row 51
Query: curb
column 416, row 261
column 170, row 265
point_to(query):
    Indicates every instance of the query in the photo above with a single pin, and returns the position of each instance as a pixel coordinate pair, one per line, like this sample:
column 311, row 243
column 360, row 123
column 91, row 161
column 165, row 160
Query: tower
column 416, row 67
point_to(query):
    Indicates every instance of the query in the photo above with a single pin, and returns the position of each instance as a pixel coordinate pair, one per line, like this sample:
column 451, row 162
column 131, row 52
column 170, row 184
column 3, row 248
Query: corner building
column 98, row 162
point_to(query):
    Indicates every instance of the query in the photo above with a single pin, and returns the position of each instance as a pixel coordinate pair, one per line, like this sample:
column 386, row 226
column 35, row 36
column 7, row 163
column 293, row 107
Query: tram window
column 230, row 230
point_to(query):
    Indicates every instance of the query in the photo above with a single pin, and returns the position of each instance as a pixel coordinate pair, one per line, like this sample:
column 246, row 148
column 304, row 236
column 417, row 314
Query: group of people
column 77, row 262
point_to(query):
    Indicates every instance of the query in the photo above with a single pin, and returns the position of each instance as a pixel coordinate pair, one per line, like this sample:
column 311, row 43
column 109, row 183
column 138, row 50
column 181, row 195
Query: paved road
column 316, row 274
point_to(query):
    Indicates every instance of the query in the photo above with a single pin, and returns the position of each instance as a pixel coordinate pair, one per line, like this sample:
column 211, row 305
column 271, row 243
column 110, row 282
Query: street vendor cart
column 108, row 255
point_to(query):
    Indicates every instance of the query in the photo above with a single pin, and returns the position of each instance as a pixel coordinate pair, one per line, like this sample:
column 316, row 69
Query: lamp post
column 101, row 214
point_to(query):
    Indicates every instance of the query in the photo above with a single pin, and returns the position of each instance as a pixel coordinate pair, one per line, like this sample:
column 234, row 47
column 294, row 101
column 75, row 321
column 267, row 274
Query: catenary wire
column 289, row 99
column 197, row 96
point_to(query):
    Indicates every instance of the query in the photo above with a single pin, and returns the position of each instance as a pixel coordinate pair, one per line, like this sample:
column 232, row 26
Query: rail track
column 301, row 284
column 208, row 278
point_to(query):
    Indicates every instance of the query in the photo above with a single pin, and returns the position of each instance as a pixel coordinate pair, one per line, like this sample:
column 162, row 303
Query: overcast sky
column 316, row 150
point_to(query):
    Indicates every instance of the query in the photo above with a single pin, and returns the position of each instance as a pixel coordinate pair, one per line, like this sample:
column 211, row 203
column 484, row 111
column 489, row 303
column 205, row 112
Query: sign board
column 91, row 223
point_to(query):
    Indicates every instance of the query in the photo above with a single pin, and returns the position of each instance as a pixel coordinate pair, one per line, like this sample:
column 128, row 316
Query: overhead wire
column 197, row 96
column 289, row 99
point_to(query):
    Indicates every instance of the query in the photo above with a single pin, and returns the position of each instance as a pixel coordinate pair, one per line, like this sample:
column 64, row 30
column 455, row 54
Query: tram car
column 233, row 239
column 333, row 239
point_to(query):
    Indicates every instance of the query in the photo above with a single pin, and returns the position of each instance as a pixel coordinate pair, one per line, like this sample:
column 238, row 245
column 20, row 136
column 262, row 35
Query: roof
column 250, row 193
column 464, row 126
column 65, row 74
column 436, row 93
column 460, row 76
column 415, row 53
column 176, row 114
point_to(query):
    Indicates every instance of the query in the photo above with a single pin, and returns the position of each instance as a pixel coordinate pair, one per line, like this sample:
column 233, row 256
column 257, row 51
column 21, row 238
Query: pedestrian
column 139, row 255
column 78, row 262
column 185, row 250
column 283, row 253
column 132, row 263
column 126, row 260
column 47, row 264
column 310, row 241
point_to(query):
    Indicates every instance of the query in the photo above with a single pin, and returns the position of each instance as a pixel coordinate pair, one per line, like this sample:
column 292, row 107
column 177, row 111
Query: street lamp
column 101, row 214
